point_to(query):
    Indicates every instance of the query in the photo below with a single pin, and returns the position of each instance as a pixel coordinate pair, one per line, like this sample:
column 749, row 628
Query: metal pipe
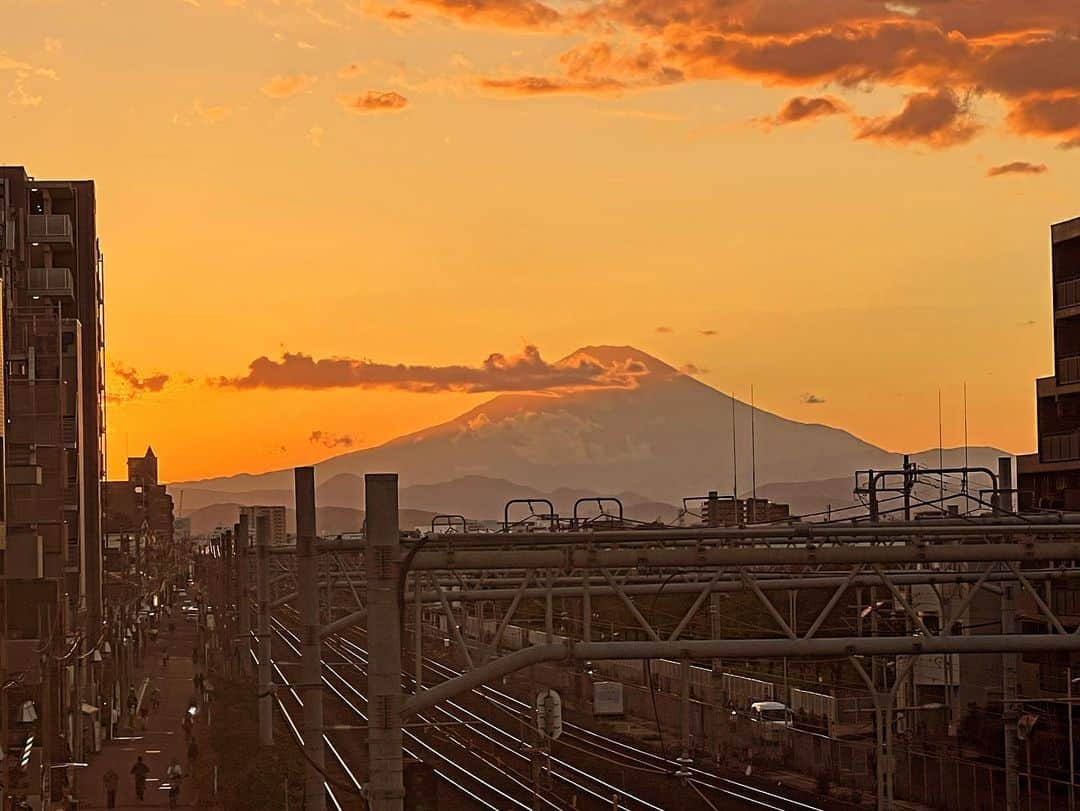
column 741, row 648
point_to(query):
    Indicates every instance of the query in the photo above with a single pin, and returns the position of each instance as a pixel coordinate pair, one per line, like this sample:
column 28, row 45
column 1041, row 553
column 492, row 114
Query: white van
column 770, row 719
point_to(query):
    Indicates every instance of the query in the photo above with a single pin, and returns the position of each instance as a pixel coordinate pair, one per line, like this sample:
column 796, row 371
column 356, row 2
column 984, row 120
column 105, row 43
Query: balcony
column 52, row 282
column 51, row 228
column 1060, row 447
column 1067, row 294
column 1068, row 370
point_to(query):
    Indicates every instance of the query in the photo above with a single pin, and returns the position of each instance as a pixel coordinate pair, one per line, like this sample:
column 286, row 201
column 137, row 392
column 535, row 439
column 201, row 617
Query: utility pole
column 386, row 791
column 243, row 598
column 262, row 585
column 307, row 575
column 1003, row 503
column 908, row 482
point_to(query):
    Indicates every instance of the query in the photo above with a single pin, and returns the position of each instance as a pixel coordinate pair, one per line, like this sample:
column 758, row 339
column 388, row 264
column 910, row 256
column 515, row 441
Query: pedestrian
column 164, row 656
column 144, row 714
column 112, row 781
column 132, row 702
column 155, row 699
column 140, row 770
column 175, row 774
column 192, row 753
column 186, row 724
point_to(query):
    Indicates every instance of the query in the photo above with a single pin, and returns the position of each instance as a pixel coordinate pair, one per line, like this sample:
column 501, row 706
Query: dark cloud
column 692, row 369
column 708, row 332
column 804, row 108
column 135, row 384
column 524, row 372
column 374, row 101
column 1025, row 53
column 938, row 119
column 528, row 14
column 547, row 86
column 1017, row 168
column 331, row 440
column 1052, row 117
column 664, row 330
column 811, row 399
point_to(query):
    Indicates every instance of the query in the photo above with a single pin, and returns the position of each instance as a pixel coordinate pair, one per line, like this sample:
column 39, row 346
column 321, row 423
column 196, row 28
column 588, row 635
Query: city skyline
column 335, row 180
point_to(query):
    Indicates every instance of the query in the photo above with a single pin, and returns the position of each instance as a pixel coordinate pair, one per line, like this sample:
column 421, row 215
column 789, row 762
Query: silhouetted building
column 277, row 521
column 727, row 511
column 139, row 507
column 1050, row 478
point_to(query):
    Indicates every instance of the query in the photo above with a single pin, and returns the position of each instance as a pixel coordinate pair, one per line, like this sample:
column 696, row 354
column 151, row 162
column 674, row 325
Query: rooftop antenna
column 753, row 461
column 941, row 456
column 965, row 480
column 734, row 457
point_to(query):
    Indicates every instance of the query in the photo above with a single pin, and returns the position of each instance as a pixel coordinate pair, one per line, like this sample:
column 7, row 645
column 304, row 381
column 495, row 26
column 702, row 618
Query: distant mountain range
column 666, row 438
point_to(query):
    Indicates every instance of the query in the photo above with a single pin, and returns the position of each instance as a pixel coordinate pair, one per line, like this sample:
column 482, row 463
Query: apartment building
column 1050, row 478
column 53, row 440
column 276, row 514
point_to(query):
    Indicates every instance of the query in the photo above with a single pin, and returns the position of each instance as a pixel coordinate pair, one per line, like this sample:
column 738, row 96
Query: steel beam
column 743, row 556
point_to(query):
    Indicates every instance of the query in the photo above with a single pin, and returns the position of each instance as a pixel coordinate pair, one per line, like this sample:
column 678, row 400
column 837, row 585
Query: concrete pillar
column 243, row 600
column 307, row 574
column 386, row 790
column 1008, row 660
column 262, row 581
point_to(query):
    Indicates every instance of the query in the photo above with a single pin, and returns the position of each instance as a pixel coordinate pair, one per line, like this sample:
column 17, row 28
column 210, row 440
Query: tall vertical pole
column 1072, row 751
column 262, row 586
column 908, row 482
column 387, row 786
column 243, row 597
column 1003, row 504
column 307, row 575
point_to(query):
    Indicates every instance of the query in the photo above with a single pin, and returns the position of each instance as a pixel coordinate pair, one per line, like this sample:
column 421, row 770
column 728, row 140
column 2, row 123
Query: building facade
column 278, row 533
column 53, row 438
column 1050, row 478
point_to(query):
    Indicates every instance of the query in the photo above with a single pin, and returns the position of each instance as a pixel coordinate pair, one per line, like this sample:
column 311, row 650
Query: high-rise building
column 53, row 438
column 139, row 506
column 276, row 515
column 53, row 385
column 1050, row 478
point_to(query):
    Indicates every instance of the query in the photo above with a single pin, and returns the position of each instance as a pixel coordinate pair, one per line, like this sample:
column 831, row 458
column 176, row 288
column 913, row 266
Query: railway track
column 493, row 749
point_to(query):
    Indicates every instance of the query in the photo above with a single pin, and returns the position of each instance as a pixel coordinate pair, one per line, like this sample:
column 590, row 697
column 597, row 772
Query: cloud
column 527, row 14
column 548, row 86
column 708, row 332
column 1029, row 323
column 1017, row 168
column 304, row 46
column 281, row 87
column 374, row 101
column 804, row 108
column 135, row 384
column 664, row 330
column 212, row 114
column 315, row 136
column 52, row 45
column 939, row 119
column 692, row 369
column 1048, row 116
column 811, row 399
column 329, row 440
column 524, row 372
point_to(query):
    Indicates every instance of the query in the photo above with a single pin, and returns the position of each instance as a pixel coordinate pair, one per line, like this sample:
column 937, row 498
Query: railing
column 51, row 282
column 1060, row 447
column 1067, row 294
column 50, row 227
column 70, row 431
column 1068, row 369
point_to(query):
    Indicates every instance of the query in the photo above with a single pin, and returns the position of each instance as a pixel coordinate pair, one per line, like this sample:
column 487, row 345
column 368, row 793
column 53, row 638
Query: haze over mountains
column 666, row 438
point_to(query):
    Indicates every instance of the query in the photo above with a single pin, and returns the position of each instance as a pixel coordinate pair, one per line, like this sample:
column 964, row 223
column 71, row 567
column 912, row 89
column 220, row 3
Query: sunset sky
column 844, row 203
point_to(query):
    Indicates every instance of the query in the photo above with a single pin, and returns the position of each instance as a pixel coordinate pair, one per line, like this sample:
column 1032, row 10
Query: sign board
column 549, row 714
column 608, row 698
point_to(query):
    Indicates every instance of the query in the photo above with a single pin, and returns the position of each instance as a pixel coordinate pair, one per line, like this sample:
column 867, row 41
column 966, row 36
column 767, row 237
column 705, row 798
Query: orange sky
column 429, row 182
